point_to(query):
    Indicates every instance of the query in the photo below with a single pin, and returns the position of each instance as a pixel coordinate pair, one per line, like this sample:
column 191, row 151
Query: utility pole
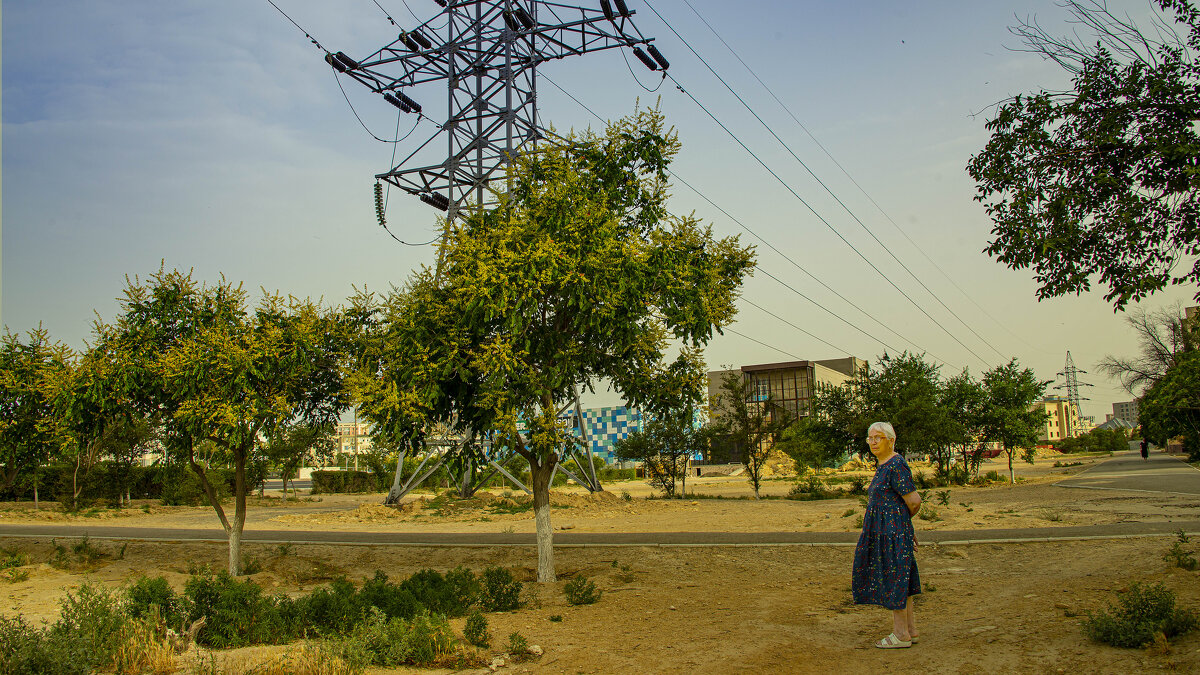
column 1070, row 375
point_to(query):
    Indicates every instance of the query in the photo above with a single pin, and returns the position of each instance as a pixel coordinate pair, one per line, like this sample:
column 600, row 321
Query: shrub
column 90, row 625
column 1179, row 555
column 26, row 650
column 423, row 640
column 811, row 488
column 929, row 513
column 476, row 630
column 327, row 482
column 517, row 644
column 451, row 595
column 501, row 592
column 581, row 591
column 236, row 612
column 389, row 598
column 858, row 485
column 145, row 592
column 1141, row 613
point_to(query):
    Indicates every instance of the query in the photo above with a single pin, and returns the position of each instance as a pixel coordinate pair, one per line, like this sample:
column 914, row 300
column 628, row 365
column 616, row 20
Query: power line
column 831, row 193
column 821, row 218
column 781, row 351
column 851, row 178
column 776, row 250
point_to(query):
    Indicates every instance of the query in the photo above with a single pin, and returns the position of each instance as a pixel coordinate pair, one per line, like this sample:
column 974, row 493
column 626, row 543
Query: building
column 606, row 426
column 1126, row 410
column 352, row 439
column 790, row 384
column 1063, row 418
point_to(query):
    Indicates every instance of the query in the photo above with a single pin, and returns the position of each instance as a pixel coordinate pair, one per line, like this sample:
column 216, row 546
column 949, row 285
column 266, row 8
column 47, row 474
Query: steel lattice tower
column 1070, row 375
column 487, row 52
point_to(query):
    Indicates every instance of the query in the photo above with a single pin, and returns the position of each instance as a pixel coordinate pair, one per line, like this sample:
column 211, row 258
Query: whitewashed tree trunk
column 540, row 477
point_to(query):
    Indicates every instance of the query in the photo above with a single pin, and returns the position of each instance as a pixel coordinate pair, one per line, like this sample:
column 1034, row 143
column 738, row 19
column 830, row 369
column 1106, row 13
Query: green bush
column 426, row 639
column 90, row 622
column 501, row 592
column 451, row 595
column 1141, row 613
column 476, row 630
column 581, row 591
column 147, row 591
column 181, row 486
column 28, row 650
column 237, row 613
column 332, row 482
column 810, row 489
column 389, row 598
column 331, row 610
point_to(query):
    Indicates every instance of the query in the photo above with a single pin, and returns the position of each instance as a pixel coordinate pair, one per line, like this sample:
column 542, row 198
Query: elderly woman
column 885, row 563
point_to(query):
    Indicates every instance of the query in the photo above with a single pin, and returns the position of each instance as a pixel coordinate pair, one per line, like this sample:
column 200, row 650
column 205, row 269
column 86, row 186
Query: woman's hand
column 913, row 501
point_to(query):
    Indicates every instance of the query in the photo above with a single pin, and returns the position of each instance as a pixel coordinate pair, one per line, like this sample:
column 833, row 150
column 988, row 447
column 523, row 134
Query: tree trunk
column 540, row 476
column 239, row 510
column 1011, row 478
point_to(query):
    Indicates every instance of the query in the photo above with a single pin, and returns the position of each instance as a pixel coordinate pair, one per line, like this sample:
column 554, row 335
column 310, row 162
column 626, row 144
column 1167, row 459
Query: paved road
column 1128, row 471
column 1116, row 530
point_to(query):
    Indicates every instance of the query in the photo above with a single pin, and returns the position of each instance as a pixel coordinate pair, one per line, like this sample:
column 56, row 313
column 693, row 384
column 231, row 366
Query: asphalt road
column 1128, row 471
column 469, row 539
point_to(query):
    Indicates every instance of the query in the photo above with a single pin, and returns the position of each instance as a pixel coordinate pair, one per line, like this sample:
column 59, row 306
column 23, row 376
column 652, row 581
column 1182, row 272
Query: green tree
column 964, row 401
column 1101, row 180
column 904, row 390
column 29, row 432
column 291, row 444
column 197, row 359
column 579, row 275
column 1171, row 406
column 663, row 447
column 1009, row 417
column 749, row 422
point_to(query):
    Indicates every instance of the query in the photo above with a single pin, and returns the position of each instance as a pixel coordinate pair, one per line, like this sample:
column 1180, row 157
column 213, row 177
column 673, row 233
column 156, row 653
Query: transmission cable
column 389, row 193
column 851, row 178
column 776, row 250
column 822, row 184
column 781, row 351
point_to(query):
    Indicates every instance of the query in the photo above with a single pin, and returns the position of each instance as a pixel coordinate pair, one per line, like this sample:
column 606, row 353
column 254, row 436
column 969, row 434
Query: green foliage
column 1096, row 440
column 146, row 592
column 476, row 630
column 1171, row 406
column 237, row 613
column 943, row 497
column 451, row 595
column 500, row 591
column 423, row 640
column 577, row 275
column 1141, row 612
column 1079, row 188
column 663, row 447
column 28, row 650
column 517, row 644
column 1180, row 556
column 747, row 422
column 581, row 591
column 812, row 488
column 1008, row 418
column 349, row 481
column 29, row 433
column 929, row 513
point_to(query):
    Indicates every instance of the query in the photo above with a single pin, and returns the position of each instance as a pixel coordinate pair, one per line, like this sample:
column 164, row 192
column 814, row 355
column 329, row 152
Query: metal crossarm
column 487, row 52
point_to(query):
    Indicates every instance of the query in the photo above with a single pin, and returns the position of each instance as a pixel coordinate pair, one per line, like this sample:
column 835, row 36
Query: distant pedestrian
column 1145, row 450
column 885, row 562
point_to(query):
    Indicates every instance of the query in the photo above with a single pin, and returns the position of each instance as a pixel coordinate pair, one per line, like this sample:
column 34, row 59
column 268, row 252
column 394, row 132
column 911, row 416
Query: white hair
column 884, row 427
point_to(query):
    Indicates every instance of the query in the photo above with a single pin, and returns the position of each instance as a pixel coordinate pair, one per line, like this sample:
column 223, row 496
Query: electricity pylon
column 487, row 52
column 1070, row 375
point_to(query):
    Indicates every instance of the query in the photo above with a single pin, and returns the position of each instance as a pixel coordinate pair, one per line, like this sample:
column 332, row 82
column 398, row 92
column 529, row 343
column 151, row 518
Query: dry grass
column 143, row 650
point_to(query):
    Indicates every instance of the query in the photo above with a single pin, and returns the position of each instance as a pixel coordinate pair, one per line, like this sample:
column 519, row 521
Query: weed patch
column 581, row 591
column 1139, row 615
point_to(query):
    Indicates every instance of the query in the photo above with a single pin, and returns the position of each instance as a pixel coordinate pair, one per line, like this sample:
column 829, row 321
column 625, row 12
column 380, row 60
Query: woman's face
column 879, row 444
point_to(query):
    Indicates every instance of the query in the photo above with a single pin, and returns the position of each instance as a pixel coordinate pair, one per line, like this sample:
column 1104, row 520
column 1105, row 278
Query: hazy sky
column 213, row 136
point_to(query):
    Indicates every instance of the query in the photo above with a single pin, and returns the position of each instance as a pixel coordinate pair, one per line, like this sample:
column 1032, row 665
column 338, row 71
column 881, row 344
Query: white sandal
column 893, row 642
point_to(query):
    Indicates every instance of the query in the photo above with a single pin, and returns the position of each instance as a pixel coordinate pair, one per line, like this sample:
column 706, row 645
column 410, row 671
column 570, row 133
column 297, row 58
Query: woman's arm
column 913, row 501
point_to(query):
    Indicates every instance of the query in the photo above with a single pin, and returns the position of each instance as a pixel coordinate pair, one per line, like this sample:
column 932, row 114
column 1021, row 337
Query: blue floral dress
column 885, row 562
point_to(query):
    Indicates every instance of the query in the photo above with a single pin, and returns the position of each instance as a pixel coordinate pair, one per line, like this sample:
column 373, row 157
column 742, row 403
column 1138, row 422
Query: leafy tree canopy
column 29, row 432
column 1101, row 181
column 1171, row 406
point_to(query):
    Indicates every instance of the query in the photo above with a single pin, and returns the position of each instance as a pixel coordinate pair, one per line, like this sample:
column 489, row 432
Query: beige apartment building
column 1126, row 410
column 1063, row 417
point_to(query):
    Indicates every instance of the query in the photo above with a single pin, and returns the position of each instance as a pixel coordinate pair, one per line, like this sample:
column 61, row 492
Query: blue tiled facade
column 606, row 425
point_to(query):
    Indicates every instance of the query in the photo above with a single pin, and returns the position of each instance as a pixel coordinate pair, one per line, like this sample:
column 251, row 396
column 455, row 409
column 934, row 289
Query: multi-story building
column 789, row 385
column 1126, row 410
column 352, row 440
column 606, row 426
column 1062, row 421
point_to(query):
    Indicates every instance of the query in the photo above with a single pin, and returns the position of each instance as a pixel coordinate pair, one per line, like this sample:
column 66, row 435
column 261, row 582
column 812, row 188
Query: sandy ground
column 988, row 607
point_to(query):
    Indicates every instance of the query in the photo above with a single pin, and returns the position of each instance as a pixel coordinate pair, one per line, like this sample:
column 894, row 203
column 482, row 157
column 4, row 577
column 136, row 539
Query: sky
column 212, row 136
